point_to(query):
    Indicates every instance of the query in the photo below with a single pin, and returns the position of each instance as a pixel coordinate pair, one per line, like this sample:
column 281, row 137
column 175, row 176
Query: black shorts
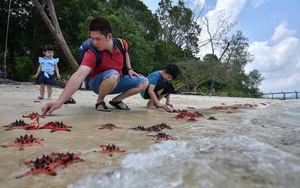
column 167, row 87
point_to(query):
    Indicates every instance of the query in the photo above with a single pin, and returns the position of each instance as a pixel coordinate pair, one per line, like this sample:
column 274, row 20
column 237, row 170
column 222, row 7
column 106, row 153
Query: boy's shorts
column 124, row 83
column 167, row 87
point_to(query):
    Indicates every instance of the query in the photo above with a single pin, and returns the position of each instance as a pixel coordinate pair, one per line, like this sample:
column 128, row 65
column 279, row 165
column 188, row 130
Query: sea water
column 259, row 148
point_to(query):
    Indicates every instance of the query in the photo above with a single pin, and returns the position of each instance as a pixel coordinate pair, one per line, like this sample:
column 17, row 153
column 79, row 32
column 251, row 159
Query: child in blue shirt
column 45, row 73
column 160, row 87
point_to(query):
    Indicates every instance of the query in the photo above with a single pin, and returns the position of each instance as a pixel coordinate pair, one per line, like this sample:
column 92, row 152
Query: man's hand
column 50, row 107
column 133, row 73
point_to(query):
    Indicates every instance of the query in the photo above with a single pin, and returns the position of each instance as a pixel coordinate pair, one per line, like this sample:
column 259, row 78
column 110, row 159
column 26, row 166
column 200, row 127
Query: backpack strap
column 88, row 44
column 120, row 44
column 117, row 41
column 97, row 53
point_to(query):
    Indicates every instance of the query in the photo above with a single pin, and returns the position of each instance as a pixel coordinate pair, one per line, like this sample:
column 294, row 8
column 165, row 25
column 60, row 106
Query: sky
column 273, row 30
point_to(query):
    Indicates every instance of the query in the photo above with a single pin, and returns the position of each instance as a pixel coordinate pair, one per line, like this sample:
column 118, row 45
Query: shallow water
column 251, row 147
column 257, row 149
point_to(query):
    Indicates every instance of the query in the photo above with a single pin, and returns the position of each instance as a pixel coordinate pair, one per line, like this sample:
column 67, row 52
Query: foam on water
column 263, row 151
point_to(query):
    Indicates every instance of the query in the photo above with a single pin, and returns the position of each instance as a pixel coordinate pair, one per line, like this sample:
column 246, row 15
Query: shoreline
column 85, row 137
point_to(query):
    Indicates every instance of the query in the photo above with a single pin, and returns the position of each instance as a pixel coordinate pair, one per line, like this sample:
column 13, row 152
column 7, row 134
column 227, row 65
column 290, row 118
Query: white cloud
column 278, row 61
column 199, row 3
column 277, row 58
column 282, row 32
column 257, row 3
column 278, row 82
column 288, row 81
column 231, row 7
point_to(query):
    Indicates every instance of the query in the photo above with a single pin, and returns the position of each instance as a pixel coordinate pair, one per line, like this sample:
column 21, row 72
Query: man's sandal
column 119, row 105
column 105, row 108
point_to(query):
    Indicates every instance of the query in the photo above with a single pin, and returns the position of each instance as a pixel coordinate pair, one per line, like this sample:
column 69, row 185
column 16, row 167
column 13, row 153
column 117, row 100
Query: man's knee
column 113, row 79
column 144, row 85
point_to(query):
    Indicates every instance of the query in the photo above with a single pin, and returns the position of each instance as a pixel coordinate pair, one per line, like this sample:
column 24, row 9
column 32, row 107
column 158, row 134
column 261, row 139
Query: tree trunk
column 54, row 27
column 212, row 86
column 197, row 85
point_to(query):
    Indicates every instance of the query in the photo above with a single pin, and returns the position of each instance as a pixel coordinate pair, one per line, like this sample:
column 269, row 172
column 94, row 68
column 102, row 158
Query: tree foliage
column 172, row 34
column 179, row 31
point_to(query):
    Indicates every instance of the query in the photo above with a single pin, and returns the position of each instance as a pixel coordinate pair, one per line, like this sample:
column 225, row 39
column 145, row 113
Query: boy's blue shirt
column 153, row 78
column 48, row 65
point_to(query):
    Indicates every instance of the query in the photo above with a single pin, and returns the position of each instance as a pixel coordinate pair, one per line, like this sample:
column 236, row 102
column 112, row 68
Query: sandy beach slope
column 18, row 99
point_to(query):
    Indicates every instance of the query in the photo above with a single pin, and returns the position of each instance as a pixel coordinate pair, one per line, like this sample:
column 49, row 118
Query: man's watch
column 130, row 69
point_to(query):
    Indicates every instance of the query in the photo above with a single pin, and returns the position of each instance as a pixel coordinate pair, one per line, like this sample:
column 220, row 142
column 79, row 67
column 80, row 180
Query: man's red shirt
column 113, row 61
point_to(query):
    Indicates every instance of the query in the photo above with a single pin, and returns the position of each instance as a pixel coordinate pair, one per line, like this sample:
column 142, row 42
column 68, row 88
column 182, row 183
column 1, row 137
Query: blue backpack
column 88, row 44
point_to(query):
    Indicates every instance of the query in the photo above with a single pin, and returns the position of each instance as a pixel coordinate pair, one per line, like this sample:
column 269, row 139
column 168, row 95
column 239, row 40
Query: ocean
column 260, row 148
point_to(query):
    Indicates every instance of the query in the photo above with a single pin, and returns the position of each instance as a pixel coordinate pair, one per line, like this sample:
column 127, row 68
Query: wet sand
column 18, row 99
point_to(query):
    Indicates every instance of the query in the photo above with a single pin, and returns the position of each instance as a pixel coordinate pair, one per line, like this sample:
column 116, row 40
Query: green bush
column 24, row 69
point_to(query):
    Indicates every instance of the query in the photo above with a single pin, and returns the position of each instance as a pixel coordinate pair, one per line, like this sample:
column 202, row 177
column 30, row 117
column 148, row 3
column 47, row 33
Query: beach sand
column 18, row 99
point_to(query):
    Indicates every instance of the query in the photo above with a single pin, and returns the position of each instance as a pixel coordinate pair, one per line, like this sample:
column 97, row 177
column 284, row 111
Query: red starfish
column 174, row 111
column 212, row 118
column 34, row 125
column 218, row 108
column 250, row 105
column 33, row 115
column 47, row 164
column 154, row 128
column 196, row 115
column 25, row 141
column 181, row 116
column 109, row 126
column 185, row 115
column 68, row 158
column 110, row 149
column 139, row 128
column 15, row 125
column 22, row 125
column 192, row 119
column 56, row 126
column 163, row 126
column 190, row 107
column 161, row 137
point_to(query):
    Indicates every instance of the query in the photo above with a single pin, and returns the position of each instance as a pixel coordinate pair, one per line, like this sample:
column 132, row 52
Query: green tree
column 193, row 74
column 141, row 14
column 214, row 70
column 234, row 60
column 255, row 79
column 179, row 30
column 236, row 56
column 126, row 26
column 52, row 23
column 20, row 13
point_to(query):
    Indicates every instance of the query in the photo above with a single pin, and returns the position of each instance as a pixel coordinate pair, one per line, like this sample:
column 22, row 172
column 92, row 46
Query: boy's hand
column 170, row 105
column 166, row 107
column 169, row 108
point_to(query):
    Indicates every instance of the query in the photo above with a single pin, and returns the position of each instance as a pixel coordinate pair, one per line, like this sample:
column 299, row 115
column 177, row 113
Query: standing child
column 45, row 73
column 160, row 87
